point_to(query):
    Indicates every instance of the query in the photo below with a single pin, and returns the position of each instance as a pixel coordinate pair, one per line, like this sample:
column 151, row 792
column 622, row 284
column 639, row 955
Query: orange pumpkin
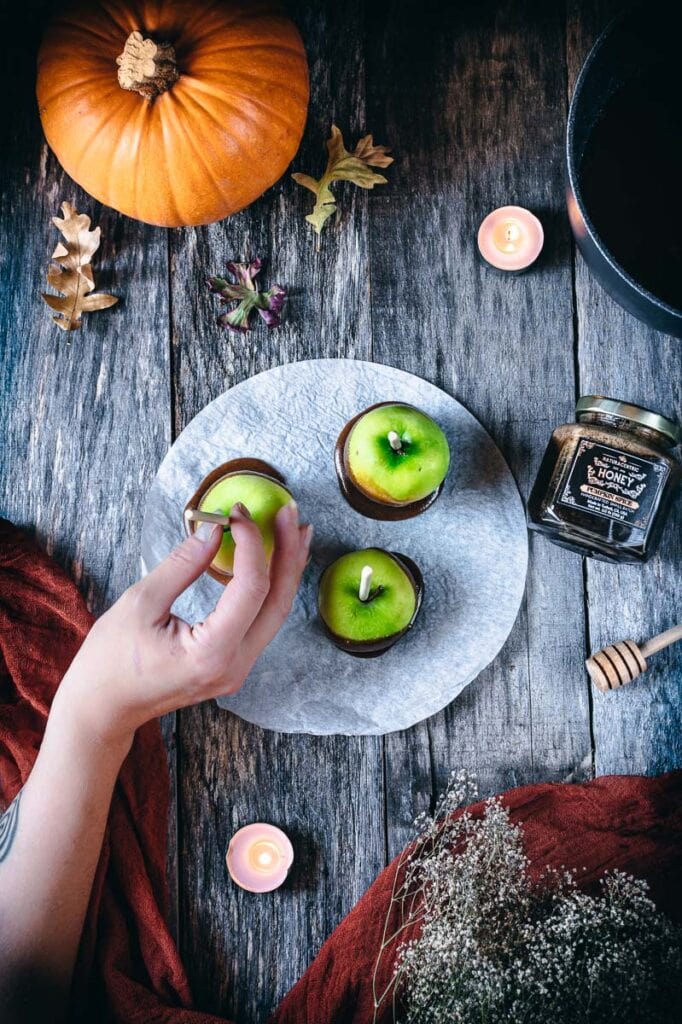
column 173, row 111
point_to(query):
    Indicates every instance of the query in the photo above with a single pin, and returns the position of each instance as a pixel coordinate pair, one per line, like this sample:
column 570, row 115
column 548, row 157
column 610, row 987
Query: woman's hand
column 139, row 661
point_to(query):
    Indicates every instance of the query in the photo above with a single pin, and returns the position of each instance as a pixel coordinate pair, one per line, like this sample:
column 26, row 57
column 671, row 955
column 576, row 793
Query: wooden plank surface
column 473, row 99
column 472, row 114
column 326, row 791
column 640, row 729
column 85, row 416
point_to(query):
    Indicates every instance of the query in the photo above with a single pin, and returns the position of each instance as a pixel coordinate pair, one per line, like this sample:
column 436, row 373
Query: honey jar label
column 613, row 484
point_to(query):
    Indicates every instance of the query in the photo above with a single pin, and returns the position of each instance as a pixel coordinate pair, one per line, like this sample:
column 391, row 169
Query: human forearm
column 138, row 662
column 50, row 856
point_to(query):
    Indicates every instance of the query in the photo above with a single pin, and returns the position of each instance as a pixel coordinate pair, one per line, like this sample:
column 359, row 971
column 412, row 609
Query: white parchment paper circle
column 471, row 546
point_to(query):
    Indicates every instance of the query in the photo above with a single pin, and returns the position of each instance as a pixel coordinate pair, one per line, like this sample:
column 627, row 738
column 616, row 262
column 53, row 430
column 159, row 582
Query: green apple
column 260, row 494
column 389, row 607
column 396, row 454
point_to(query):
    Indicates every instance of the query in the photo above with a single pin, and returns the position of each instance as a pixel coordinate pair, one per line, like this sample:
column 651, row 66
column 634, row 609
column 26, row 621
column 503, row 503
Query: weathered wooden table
column 473, row 99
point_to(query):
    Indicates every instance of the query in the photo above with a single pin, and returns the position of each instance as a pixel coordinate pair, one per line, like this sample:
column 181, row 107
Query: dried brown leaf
column 375, row 156
column 343, row 166
column 71, row 273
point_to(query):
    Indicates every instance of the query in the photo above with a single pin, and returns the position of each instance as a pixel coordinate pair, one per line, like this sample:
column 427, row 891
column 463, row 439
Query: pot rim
column 573, row 175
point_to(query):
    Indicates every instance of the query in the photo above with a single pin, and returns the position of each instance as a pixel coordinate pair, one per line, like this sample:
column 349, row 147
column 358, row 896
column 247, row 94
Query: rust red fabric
column 620, row 821
column 129, row 970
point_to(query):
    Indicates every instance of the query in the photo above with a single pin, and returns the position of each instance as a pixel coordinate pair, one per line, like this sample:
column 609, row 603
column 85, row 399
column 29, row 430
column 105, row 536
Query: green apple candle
column 258, row 487
column 369, row 599
column 391, row 461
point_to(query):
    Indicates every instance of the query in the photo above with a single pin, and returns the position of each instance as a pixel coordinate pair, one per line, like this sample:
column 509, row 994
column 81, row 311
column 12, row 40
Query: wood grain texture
column 639, row 728
column 243, row 952
column 473, row 97
column 85, row 416
column 477, row 115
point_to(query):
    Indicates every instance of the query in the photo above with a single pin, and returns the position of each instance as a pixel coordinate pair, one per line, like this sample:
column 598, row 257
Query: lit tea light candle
column 510, row 238
column 259, row 857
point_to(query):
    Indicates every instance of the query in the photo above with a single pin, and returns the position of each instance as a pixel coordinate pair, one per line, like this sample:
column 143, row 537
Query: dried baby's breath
column 495, row 947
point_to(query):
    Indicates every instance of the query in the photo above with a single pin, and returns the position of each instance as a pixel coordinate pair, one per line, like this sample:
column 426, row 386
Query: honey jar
column 606, row 482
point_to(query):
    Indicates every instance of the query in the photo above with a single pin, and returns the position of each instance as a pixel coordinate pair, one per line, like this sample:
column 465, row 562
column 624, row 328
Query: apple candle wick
column 365, row 582
column 193, row 515
column 394, row 441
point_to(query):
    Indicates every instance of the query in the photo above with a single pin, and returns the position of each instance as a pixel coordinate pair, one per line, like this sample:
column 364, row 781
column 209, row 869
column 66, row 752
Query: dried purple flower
column 244, row 292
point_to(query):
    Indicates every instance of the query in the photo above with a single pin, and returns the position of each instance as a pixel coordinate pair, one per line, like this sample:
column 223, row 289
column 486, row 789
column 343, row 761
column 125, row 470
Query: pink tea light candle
column 259, row 857
column 510, row 238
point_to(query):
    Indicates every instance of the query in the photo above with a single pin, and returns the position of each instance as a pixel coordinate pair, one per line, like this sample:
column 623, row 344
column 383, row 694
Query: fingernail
column 288, row 513
column 207, row 532
column 308, row 535
column 241, row 510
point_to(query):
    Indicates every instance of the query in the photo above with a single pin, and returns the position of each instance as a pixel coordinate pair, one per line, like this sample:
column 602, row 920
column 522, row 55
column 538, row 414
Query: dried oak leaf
column 72, row 275
column 244, row 292
column 344, row 166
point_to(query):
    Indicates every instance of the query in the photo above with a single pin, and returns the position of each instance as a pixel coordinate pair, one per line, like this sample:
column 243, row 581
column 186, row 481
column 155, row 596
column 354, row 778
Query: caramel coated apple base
column 227, row 469
column 357, row 499
column 374, row 648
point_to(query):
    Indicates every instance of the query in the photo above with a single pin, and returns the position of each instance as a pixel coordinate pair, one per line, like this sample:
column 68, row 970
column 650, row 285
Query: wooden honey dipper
column 620, row 663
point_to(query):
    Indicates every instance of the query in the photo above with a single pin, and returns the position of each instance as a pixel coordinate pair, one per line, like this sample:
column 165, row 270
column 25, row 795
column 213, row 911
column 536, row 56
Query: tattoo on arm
column 8, row 827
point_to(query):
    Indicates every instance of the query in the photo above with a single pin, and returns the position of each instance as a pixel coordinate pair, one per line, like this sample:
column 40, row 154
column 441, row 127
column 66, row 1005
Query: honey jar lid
column 627, row 411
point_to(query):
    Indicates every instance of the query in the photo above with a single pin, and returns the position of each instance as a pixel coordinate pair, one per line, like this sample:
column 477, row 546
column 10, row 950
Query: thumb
column 182, row 566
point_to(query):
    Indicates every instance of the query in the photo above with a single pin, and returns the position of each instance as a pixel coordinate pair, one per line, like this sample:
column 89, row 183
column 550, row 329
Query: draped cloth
column 129, row 969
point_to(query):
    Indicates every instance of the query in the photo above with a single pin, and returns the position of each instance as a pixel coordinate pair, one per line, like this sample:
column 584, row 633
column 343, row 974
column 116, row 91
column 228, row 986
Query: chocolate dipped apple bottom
column 391, row 461
column 369, row 599
column 259, row 487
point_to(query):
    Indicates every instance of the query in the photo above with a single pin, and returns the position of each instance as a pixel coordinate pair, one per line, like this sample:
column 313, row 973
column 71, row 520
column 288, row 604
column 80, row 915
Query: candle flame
column 508, row 236
column 264, row 856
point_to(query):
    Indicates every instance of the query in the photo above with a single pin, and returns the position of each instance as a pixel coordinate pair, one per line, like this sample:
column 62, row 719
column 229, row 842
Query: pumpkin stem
column 147, row 67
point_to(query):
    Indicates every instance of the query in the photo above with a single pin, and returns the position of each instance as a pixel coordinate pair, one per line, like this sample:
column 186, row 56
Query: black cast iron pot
column 624, row 154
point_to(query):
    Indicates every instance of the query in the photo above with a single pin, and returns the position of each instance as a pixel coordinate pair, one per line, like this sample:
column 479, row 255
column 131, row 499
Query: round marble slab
column 471, row 546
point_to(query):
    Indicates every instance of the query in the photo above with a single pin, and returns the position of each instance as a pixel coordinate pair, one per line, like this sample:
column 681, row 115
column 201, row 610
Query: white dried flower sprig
column 495, row 947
